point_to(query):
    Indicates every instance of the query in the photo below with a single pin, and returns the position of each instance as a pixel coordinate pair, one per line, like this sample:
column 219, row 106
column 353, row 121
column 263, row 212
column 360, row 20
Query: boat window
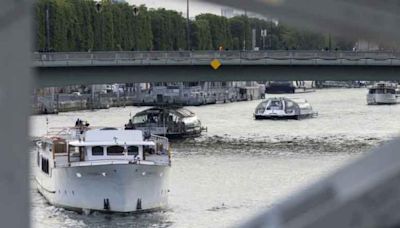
column 38, row 159
column 73, row 150
column 45, row 165
column 140, row 119
column 372, row 91
column 133, row 150
column 380, row 91
column 97, row 151
column 153, row 118
column 172, row 117
column 289, row 104
column 184, row 112
column 115, row 150
column 275, row 104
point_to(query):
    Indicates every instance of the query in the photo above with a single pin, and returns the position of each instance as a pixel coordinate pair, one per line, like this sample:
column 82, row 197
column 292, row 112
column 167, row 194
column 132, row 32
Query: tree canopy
column 76, row 25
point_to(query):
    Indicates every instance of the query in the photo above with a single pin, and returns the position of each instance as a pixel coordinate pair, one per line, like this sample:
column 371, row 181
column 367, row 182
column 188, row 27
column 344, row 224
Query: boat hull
column 182, row 135
column 377, row 99
column 283, row 117
column 192, row 132
column 113, row 188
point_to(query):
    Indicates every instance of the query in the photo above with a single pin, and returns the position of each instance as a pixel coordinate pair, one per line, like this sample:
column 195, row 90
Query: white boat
column 103, row 169
column 383, row 93
column 284, row 108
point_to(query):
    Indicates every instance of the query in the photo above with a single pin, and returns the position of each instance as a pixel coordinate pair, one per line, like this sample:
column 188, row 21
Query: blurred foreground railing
column 365, row 193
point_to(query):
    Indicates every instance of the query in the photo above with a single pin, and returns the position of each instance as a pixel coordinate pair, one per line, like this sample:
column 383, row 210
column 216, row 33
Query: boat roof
column 105, row 137
column 182, row 112
column 379, row 85
column 297, row 100
column 112, row 143
column 112, row 135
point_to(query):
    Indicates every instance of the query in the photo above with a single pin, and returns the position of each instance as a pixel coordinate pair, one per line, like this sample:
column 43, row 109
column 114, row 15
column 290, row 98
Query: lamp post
column 188, row 26
column 47, row 28
column 244, row 32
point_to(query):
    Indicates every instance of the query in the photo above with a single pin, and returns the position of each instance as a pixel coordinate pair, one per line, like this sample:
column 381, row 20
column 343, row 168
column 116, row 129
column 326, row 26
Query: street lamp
column 188, row 26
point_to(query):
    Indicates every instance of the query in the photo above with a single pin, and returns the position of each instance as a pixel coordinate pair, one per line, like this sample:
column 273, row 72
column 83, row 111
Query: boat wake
column 277, row 145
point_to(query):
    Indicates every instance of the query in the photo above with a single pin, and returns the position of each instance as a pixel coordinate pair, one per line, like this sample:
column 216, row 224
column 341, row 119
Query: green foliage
column 168, row 29
column 75, row 25
column 201, row 35
column 219, row 29
column 241, row 32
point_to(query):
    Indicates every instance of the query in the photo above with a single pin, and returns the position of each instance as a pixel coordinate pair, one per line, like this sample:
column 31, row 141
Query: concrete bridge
column 56, row 69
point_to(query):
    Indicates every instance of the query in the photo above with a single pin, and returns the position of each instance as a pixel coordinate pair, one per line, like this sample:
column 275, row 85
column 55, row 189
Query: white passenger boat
column 103, row 169
column 383, row 93
column 284, row 108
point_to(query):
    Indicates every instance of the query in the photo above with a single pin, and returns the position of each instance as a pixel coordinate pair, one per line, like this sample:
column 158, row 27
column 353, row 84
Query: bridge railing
column 198, row 57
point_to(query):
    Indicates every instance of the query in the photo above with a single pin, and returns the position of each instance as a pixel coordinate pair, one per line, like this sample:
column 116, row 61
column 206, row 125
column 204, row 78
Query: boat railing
column 160, row 140
column 58, row 132
column 161, row 157
column 110, row 162
column 67, row 133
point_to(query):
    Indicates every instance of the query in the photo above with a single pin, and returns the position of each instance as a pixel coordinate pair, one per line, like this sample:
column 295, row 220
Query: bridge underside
column 63, row 76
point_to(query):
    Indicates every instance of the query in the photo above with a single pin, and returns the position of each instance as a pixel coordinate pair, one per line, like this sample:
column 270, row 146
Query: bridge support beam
column 62, row 76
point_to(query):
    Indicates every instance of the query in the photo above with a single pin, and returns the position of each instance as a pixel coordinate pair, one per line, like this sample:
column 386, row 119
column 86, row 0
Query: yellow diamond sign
column 215, row 64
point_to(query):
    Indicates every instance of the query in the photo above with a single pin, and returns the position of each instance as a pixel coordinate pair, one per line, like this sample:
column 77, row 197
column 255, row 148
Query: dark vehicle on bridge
column 171, row 122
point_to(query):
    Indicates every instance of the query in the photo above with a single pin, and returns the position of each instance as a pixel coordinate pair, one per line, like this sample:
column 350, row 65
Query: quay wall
column 67, row 102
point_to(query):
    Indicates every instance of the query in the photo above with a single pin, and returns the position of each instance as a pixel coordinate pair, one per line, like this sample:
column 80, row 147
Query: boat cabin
column 105, row 145
column 383, row 88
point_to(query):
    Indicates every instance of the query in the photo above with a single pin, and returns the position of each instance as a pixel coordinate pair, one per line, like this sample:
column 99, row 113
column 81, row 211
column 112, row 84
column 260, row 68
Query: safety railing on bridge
column 204, row 57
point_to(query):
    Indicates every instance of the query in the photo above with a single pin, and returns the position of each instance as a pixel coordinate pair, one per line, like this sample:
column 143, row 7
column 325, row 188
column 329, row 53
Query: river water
column 240, row 166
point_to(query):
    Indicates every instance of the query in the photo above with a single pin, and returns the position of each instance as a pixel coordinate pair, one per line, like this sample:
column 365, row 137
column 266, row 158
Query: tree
column 75, row 25
column 240, row 30
column 201, row 36
column 219, row 29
